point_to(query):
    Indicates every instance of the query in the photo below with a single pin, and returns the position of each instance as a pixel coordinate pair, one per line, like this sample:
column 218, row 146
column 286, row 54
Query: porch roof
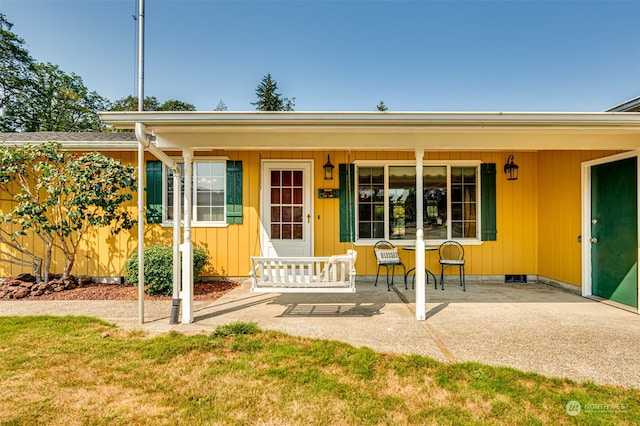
column 411, row 130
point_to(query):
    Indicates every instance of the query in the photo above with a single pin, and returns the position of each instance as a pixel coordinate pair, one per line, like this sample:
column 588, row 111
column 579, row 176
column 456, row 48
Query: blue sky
column 420, row 55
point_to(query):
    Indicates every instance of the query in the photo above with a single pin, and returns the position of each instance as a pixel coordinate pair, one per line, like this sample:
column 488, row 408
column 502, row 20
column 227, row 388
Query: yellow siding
column 559, row 213
column 538, row 219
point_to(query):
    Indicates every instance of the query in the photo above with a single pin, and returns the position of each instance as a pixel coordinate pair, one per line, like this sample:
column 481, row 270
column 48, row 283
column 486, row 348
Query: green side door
column 614, row 231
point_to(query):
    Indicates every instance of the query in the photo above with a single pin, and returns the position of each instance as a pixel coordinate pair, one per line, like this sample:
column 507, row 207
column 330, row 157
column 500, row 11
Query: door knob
column 593, row 240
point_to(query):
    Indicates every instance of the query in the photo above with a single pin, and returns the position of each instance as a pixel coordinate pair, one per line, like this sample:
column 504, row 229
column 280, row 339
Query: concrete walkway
column 531, row 327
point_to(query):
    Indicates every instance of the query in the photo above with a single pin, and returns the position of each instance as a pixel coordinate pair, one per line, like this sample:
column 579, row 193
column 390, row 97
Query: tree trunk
column 71, row 259
column 47, row 261
column 37, row 270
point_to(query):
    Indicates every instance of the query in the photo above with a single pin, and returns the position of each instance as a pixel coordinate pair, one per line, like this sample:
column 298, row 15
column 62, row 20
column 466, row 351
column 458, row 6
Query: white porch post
column 187, row 246
column 421, row 314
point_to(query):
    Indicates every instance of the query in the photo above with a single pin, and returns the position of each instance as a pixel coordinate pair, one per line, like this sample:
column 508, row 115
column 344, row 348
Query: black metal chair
column 387, row 256
column 452, row 255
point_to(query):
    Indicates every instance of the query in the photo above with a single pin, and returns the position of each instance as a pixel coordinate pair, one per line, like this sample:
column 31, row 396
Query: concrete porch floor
column 531, row 327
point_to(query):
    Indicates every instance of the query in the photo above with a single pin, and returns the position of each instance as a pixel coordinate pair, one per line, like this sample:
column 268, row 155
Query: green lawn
column 78, row 370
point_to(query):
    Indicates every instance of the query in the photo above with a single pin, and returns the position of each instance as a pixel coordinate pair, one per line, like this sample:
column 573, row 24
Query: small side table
column 426, row 271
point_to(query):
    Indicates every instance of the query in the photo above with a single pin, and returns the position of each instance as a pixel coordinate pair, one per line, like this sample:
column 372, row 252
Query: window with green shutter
column 384, row 197
column 488, row 201
column 217, row 192
column 234, row 191
column 346, row 180
column 154, row 191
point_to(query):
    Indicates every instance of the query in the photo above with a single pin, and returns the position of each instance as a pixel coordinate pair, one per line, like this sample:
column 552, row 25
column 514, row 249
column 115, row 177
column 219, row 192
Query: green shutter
column 154, row 191
column 488, row 200
column 234, row 191
column 346, row 180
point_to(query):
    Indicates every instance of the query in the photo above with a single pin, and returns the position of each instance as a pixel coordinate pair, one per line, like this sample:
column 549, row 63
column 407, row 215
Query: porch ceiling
column 375, row 130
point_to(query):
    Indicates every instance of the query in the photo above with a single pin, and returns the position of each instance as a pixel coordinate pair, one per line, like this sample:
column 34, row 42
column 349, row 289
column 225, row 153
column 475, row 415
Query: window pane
column 469, row 174
column 286, row 231
column 203, row 213
column 217, row 214
column 275, row 231
column 286, row 178
column 297, row 195
column 297, row 178
column 209, row 197
column 275, row 178
column 378, row 230
column 402, row 202
column 275, row 214
column 364, row 212
column 435, row 201
column 203, row 169
column 275, row 196
column 286, row 214
column 286, row 196
column 217, row 198
column 169, row 191
column 203, row 198
column 464, row 209
column 370, row 202
column 297, row 231
column 364, row 230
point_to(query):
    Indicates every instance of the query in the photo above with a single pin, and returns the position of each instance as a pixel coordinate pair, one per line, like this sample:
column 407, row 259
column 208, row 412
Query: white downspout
column 187, row 246
column 421, row 314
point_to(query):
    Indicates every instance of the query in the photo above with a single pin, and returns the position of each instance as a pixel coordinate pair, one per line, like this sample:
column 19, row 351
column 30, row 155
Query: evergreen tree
column 269, row 99
column 382, row 107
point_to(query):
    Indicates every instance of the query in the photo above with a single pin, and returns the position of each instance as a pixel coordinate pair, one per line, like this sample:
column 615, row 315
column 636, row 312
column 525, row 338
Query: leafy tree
column 130, row 103
column 150, row 103
column 16, row 66
column 221, row 106
column 269, row 99
column 58, row 197
column 175, row 105
column 55, row 101
column 382, row 107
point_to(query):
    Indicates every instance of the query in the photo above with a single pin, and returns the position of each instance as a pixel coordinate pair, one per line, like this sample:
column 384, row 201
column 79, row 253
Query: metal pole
column 140, row 166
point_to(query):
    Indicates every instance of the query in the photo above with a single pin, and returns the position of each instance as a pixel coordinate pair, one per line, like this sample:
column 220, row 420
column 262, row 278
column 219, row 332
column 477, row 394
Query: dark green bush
column 158, row 268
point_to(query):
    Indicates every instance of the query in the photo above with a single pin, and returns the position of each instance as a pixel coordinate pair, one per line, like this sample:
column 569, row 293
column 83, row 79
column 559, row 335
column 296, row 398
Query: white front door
column 286, row 209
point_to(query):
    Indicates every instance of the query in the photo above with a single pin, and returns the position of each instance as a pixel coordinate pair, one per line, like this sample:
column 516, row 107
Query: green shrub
column 158, row 268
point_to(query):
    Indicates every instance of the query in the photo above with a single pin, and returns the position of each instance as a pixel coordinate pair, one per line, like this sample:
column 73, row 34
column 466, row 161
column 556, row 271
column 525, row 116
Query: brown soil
column 94, row 291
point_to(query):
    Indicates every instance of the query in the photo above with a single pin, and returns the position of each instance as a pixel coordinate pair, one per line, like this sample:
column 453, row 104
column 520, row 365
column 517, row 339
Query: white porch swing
column 315, row 274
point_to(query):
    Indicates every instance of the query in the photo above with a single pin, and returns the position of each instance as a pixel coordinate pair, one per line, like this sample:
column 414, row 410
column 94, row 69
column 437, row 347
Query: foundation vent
column 515, row 279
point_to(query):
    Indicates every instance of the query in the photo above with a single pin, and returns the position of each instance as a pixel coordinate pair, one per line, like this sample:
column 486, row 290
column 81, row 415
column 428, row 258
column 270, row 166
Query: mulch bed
column 96, row 291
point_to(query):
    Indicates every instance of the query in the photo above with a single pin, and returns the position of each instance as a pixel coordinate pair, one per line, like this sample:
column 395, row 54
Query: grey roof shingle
column 76, row 140
column 67, row 136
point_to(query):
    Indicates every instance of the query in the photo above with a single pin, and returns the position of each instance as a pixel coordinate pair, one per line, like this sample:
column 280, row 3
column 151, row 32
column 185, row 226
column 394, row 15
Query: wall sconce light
column 511, row 169
column 328, row 169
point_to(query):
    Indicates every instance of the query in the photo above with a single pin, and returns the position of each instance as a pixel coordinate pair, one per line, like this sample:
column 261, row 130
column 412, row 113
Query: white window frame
column 194, row 218
column 399, row 242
